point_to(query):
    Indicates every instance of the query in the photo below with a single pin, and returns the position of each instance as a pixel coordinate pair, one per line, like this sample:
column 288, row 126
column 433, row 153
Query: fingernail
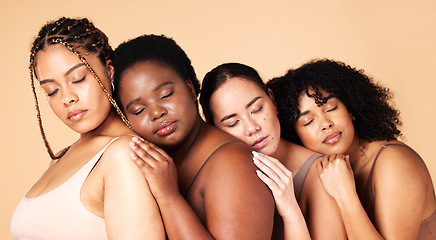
column 255, row 160
column 133, row 156
column 255, row 154
column 132, row 145
column 134, row 138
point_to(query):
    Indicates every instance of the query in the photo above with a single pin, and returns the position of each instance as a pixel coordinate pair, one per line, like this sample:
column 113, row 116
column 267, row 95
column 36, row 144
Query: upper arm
column 130, row 210
column 237, row 204
column 321, row 212
column 399, row 185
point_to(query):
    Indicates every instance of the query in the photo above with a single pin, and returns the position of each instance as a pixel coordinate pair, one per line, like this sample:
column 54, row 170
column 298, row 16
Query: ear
column 110, row 70
column 191, row 89
column 271, row 96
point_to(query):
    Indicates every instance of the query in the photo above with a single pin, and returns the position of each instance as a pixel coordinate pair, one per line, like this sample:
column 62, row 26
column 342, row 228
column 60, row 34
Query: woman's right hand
column 279, row 180
column 157, row 166
column 336, row 176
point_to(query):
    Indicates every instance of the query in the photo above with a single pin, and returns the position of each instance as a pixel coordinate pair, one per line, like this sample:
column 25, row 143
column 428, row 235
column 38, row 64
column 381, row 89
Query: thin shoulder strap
column 371, row 172
column 300, row 176
column 199, row 170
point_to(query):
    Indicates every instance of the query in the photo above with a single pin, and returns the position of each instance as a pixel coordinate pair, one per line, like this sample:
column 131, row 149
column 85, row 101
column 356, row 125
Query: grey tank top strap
column 300, row 176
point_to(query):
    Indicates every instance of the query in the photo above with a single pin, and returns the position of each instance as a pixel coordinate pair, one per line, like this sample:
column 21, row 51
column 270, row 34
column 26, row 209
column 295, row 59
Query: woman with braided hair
column 91, row 190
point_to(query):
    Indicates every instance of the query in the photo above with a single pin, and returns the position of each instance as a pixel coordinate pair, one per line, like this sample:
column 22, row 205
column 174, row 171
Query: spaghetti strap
column 199, row 170
column 371, row 172
column 301, row 174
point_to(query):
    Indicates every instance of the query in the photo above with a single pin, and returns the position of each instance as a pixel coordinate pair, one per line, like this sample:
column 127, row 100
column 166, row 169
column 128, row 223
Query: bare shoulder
column 400, row 165
column 232, row 154
column 117, row 154
column 399, row 159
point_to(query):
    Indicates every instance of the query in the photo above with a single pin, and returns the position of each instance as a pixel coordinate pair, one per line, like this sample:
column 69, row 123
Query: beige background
column 394, row 41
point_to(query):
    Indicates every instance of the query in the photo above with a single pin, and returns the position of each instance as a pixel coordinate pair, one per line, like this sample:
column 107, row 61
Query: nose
column 326, row 123
column 157, row 112
column 69, row 97
column 251, row 126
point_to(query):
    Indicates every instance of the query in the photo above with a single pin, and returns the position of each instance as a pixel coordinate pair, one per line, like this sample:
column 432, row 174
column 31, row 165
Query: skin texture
column 115, row 184
column 226, row 200
column 400, row 195
column 243, row 109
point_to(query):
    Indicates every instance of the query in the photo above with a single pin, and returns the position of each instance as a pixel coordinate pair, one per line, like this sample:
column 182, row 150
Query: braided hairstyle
column 368, row 102
column 72, row 33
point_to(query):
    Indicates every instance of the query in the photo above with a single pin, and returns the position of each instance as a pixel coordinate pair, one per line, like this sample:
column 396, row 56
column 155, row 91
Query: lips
column 260, row 143
column 76, row 115
column 165, row 128
column 332, row 138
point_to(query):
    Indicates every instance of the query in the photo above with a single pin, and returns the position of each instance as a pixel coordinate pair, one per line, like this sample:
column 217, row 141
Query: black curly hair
column 367, row 101
column 216, row 77
column 155, row 48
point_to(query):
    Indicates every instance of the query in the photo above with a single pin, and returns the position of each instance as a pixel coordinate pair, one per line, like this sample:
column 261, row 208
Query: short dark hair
column 218, row 76
column 367, row 101
column 156, row 48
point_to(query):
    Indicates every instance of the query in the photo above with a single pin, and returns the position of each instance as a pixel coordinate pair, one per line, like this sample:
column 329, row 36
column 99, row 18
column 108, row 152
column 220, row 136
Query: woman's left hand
column 158, row 167
column 336, row 176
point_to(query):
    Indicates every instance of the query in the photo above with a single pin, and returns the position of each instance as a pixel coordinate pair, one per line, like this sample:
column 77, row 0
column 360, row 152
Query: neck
column 355, row 153
column 179, row 152
column 111, row 126
column 282, row 151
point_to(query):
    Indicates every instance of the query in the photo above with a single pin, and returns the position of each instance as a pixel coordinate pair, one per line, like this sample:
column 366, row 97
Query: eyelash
column 332, row 109
column 80, row 80
column 232, row 125
column 258, row 110
column 308, row 123
column 168, row 95
column 52, row 93
column 139, row 111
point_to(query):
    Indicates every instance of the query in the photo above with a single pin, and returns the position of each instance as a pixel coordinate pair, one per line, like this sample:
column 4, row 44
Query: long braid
column 82, row 33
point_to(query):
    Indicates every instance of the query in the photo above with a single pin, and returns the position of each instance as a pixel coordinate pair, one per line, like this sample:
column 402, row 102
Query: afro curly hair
column 367, row 101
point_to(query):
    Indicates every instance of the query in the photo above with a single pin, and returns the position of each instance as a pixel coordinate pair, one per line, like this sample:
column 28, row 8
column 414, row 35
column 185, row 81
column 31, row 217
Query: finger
column 144, row 166
column 324, row 160
column 270, row 183
column 266, row 170
column 142, row 154
column 160, row 151
column 274, row 165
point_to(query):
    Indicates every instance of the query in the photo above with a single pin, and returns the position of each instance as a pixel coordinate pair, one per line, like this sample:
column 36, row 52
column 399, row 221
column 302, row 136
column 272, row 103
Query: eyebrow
column 66, row 74
column 154, row 90
column 301, row 115
column 133, row 102
column 246, row 106
column 162, row 85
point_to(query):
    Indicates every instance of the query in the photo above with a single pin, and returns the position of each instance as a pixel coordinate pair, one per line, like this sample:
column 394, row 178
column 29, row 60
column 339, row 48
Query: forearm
column 295, row 226
column 356, row 221
column 180, row 220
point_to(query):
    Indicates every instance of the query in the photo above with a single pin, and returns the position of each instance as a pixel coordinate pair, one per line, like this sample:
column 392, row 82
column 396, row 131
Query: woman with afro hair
column 382, row 186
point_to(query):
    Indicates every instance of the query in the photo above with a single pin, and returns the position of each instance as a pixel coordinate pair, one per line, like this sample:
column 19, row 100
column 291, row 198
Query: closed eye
column 332, row 109
column 139, row 111
column 80, row 80
column 258, row 110
column 52, row 93
column 167, row 95
column 308, row 123
column 234, row 124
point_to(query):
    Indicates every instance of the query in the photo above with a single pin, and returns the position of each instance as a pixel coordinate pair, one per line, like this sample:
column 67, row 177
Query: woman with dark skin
column 381, row 186
column 203, row 179
column 235, row 99
column 91, row 190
